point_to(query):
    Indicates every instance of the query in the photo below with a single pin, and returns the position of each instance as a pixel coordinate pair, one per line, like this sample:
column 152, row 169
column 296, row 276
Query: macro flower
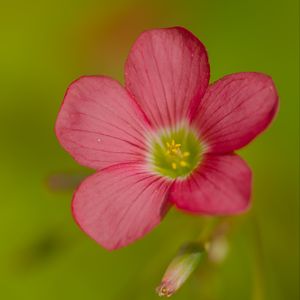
column 166, row 138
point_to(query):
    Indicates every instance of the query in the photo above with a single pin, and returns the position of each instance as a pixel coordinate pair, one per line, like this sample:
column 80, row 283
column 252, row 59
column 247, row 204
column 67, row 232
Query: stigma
column 174, row 153
column 176, row 156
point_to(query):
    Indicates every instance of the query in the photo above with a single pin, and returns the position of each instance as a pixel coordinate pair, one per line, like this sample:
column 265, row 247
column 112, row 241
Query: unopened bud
column 61, row 182
column 218, row 249
column 181, row 267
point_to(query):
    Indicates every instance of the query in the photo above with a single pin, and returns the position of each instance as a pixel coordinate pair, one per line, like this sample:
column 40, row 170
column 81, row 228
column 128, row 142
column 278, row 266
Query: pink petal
column 167, row 72
column 99, row 124
column 235, row 110
column 120, row 204
column 220, row 186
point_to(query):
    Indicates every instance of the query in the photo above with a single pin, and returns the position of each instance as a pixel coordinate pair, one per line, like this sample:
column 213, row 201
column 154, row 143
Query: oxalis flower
column 166, row 138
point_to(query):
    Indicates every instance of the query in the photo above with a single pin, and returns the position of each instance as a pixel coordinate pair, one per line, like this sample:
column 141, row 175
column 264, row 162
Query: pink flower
column 165, row 138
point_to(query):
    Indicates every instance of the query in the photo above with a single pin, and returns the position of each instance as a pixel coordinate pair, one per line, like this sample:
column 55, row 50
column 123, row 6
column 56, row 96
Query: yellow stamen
column 186, row 154
column 183, row 163
column 177, row 156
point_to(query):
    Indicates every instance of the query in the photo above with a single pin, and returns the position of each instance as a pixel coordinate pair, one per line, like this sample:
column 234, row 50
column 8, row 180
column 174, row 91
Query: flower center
column 175, row 153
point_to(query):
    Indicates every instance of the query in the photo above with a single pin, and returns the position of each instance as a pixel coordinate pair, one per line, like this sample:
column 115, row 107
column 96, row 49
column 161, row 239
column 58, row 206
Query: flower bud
column 64, row 181
column 218, row 249
column 180, row 268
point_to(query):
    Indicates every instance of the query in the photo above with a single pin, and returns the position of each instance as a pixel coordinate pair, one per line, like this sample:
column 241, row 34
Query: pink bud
column 180, row 268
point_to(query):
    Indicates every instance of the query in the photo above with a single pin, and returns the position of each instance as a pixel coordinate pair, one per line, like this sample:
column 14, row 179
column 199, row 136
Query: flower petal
column 99, row 124
column 167, row 72
column 235, row 109
column 120, row 204
column 220, row 186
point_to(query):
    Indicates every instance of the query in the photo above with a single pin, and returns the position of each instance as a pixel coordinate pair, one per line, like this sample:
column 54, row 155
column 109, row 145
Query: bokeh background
column 47, row 44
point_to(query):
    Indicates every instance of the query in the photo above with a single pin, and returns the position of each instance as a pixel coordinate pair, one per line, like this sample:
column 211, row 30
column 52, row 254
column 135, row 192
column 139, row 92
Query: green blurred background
column 47, row 44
